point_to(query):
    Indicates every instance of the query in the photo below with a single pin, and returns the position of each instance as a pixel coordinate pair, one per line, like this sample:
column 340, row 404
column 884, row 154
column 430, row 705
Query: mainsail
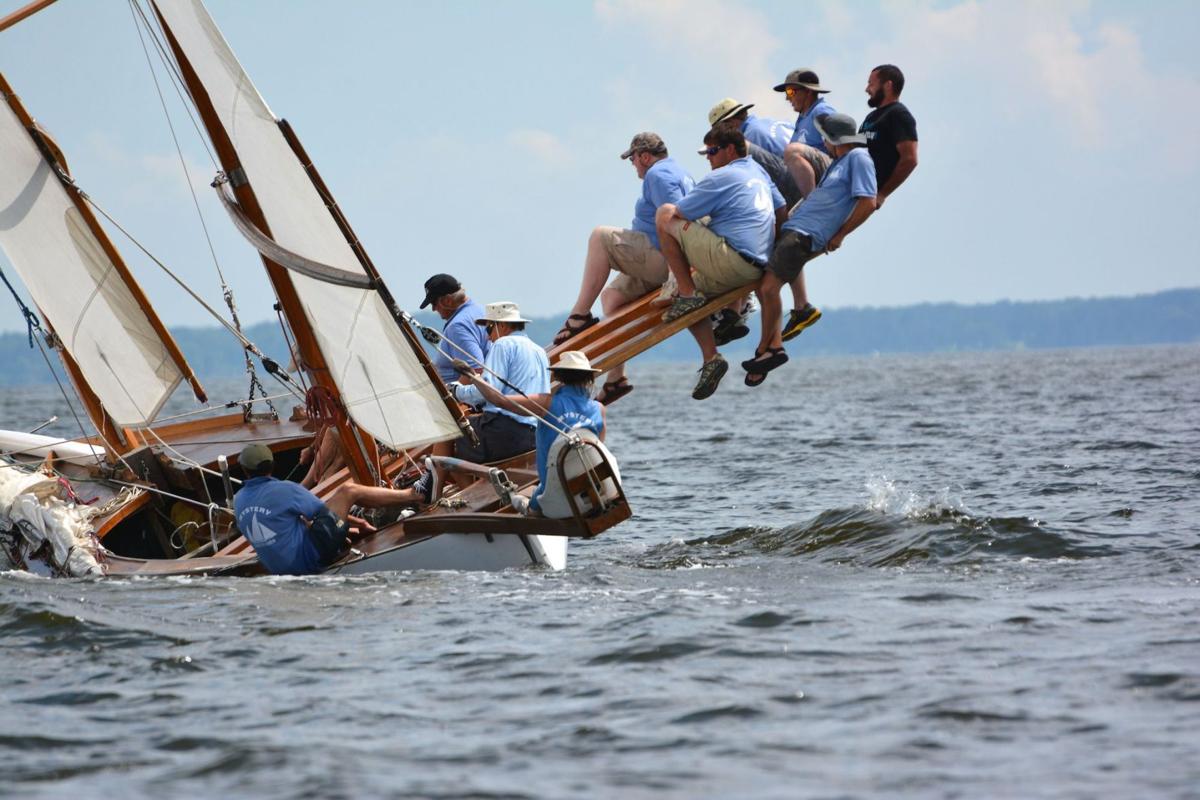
column 84, row 295
column 384, row 387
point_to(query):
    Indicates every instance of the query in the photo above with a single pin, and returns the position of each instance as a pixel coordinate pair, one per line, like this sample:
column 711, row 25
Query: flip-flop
column 761, row 366
column 612, row 391
column 568, row 330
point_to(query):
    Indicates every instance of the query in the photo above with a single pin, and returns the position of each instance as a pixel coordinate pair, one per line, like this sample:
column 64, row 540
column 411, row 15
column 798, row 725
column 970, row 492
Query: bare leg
column 799, row 292
column 356, row 494
column 595, row 273
column 703, row 333
column 800, row 168
column 772, row 311
column 327, row 457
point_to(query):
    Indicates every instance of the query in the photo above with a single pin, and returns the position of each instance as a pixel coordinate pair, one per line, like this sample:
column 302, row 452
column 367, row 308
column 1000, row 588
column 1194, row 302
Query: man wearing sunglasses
column 744, row 209
column 806, row 156
column 515, row 366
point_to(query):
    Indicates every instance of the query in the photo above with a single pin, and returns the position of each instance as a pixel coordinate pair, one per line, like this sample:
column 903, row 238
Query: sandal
column 612, row 391
column 756, row 378
column 776, row 357
column 568, row 330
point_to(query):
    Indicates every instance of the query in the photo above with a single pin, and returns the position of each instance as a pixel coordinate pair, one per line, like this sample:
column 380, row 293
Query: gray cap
column 255, row 456
column 804, row 78
column 839, row 129
column 645, row 141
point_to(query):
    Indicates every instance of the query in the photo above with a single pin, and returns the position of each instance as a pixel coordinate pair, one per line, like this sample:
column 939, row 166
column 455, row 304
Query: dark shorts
column 500, row 437
column 792, row 251
column 328, row 535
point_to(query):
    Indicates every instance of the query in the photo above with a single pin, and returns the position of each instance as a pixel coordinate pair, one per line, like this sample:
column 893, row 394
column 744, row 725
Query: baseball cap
column 647, row 141
column 439, row 285
column 255, row 456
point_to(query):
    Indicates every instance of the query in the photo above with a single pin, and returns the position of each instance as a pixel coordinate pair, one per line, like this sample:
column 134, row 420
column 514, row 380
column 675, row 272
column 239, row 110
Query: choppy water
column 938, row 576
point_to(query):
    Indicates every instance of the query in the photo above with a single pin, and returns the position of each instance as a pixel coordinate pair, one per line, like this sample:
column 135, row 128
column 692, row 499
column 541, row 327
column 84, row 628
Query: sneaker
column 710, row 377
column 424, row 486
column 729, row 326
column 797, row 321
column 682, row 306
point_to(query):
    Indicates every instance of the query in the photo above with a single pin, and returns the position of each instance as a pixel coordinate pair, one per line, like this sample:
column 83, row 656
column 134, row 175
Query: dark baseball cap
column 647, row 141
column 805, row 79
column 440, row 285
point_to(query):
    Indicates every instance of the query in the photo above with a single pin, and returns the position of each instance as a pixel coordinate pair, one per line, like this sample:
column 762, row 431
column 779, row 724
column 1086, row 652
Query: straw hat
column 727, row 109
column 574, row 360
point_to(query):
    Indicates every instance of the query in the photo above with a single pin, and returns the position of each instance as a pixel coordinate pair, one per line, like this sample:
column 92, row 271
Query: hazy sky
column 1058, row 140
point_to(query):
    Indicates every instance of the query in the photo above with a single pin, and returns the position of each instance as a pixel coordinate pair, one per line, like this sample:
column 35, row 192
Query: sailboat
column 163, row 489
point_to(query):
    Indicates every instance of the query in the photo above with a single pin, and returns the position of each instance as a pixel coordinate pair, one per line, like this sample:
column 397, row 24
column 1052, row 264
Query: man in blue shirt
column 840, row 203
column 633, row 251
column 744, row 208
column 464, row 339
column 514, row 366
column 769, row 134
column 806, row 156
column 291, row 530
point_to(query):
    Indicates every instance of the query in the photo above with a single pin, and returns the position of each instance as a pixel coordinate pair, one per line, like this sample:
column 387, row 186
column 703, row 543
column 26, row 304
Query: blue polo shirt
column 769, row 134
column 520, row 362
column 462, row 330
column 848, row 178
column 665, row 182
column 741, row 199
column 806, row 126
column 571, row 408
column 268, row 515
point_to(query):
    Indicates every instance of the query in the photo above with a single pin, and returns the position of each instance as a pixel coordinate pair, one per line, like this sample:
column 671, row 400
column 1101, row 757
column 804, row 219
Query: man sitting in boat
column 840, row 203
column 291, row 530
column 569, row 407
column 514, row 366
column 464, row 339
column 633, row 252
column 731, row 251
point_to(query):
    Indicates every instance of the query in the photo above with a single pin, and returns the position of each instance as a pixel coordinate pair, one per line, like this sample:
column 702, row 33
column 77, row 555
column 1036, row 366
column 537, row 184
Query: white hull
column 464, row 551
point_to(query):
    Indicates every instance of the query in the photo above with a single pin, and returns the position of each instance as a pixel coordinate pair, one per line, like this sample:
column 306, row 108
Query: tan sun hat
column 727, row 109
column 575, row 360
column 503, row 311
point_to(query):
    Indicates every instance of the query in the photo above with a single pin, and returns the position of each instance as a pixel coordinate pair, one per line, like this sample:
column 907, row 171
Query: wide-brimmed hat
column 839, row 129
column 503, row 311
column 254, row 456
column 727, row 109
column 573, row 360
column 804, row 78
column 439, row 286
column 646, row 141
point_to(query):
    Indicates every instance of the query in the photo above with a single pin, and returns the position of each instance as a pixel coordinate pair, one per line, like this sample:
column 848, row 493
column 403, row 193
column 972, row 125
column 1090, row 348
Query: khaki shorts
column 642, row 267
column 716, row 266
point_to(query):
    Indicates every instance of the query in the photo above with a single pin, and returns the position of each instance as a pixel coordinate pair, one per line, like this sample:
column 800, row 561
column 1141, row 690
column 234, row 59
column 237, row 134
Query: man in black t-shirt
column 891, row 131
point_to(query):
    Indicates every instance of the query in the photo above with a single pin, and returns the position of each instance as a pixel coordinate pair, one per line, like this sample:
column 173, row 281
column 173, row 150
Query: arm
column 540, row 402
column 904, row 168
column 781, row 216
column 863, row 208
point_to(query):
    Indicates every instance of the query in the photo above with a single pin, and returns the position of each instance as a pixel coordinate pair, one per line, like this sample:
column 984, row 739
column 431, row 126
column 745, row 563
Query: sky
column 1058, row 140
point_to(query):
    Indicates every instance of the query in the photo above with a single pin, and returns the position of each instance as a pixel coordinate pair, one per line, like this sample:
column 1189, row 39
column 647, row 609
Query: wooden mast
column 21, row 13
column 358, row 449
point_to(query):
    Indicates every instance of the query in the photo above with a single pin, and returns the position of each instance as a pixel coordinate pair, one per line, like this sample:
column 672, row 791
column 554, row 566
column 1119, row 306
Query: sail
column 76, row 285
column 383, row 385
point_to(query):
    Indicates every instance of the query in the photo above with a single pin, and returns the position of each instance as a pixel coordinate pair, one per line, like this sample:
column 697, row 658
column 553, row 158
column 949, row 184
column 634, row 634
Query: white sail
column 76, row 286
column 383, row 385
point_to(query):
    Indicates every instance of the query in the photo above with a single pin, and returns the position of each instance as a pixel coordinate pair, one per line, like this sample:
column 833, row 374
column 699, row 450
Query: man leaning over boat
column 634, row 252
column 745, row 209
column 464, row 338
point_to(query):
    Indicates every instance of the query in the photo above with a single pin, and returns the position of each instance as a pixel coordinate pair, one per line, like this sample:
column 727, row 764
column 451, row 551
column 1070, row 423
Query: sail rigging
column 108, row 331
column 383, row 383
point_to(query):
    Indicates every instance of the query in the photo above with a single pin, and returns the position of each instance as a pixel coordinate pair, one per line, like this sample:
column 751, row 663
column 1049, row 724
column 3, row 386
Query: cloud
column 543, row 146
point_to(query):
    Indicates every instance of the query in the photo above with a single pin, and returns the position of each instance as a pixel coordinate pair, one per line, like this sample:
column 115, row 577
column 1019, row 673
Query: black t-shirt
column 885, row 128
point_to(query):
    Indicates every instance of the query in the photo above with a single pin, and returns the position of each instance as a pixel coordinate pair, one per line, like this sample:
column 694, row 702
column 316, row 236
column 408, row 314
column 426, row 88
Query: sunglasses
column 711, row 150
column 489, row 326
column 789, row 92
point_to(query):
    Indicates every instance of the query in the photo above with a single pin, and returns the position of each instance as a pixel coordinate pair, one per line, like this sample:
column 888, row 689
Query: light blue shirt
column 570, row 408
column 825, row 211
column 520, row 362
column 462, row 330
column 741, row 199
column 769, row 134
column 268, row 515
column 665, row 182
column 806, row 126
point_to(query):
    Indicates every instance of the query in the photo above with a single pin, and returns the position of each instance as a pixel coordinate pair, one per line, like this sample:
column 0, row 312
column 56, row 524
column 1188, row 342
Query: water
column 938, row 576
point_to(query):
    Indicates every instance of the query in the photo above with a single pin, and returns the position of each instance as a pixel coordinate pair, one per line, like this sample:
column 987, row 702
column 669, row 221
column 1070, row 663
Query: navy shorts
column 328, row 534
column 500, row 437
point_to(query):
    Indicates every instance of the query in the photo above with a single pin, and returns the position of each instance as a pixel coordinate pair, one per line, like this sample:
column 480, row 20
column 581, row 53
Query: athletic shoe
column 710, row 377
column 797, row 321
column 682, row 306
column 729, row 327
column 424, row 486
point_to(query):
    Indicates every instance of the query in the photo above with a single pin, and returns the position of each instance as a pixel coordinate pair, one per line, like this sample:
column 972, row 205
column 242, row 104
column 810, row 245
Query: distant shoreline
column 1168, row 317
